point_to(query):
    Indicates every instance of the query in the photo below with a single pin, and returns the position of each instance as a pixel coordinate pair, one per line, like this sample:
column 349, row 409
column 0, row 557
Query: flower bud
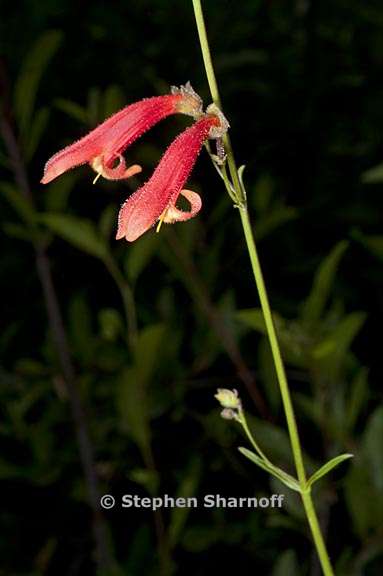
column 228, row 398
column 229, row 414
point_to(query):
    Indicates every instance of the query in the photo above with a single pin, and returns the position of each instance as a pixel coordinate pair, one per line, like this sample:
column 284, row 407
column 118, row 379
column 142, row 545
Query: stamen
column 96, row 178
column 161, row 220
column 118, row 172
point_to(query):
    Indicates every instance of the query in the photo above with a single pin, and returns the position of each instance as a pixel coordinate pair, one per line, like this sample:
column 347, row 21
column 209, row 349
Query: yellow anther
column 160, row 221
column 97, row 177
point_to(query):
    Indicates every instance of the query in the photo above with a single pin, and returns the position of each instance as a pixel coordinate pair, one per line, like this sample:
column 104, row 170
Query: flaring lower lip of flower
column 102, row 148
column 156, row 200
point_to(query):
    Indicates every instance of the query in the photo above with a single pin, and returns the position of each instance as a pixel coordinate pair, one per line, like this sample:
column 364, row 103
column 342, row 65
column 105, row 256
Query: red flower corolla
column 102, row 148
column 156, row 200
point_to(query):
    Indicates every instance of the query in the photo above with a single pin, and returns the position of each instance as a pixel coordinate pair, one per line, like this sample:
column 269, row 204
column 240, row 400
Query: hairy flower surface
column 102, row 148
column 156, row 200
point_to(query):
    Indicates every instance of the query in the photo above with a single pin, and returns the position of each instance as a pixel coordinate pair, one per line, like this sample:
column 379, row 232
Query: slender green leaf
column 286, row 565
column 79, row 232
column 94, row 112
column 56, row 193
column 148, row 350
column 253, row 318
column 364, row 482
column 10, row 471
column 241, row 170
column 72, row 109
column 38, row 125
column 132, row 397
column 111, row 324
column 333, row 347
column 18, row 202
column 139, row 255
column 263, row 193
column 314, row 305
column 373, row 243
column 30, row 75
column 145, row 477
column 373, row 175
column 80, row 327
column 357, row 398
column 114, row 100
column 133, row 408
column 363, row 509
column 326, row 468
column 274, row 470
column 310, row 408
column 18, row 232
column 273, row 219
column 292, row 335
column 108, row 221
column 372, row 447
column 186, row 489
column 274, row 441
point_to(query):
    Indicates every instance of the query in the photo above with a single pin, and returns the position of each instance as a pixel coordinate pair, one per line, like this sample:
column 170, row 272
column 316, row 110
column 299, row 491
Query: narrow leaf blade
column 323, row 281
column 79, row 232
column 326, row 468
column 31, row 72
column 285, row 478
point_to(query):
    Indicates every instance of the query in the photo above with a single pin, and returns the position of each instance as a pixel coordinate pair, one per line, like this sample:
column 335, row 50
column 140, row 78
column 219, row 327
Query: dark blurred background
column 94, row 406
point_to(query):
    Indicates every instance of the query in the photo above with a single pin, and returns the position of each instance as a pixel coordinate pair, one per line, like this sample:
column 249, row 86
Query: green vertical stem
column 214, row 90
column 278, row 362
column 261, row 288
column 286, row 397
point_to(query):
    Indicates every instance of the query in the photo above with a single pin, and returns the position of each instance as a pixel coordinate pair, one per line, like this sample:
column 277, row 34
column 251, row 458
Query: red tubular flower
column 156, row 200
column 103, row 146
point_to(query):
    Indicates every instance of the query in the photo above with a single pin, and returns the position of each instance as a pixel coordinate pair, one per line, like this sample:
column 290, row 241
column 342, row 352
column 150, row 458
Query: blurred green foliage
column 301, row 84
